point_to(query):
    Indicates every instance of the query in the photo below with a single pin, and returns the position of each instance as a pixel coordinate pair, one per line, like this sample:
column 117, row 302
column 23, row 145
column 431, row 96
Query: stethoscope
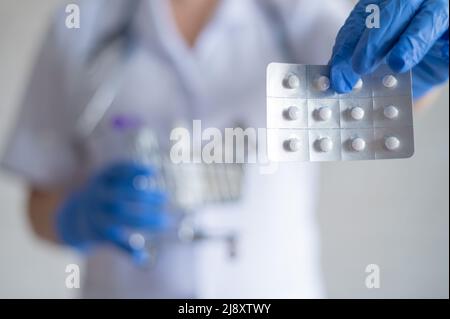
column 120, row 44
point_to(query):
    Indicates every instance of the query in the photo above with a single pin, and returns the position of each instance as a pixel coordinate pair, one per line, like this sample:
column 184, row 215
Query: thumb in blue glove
column 413, row 35
column 109, row 208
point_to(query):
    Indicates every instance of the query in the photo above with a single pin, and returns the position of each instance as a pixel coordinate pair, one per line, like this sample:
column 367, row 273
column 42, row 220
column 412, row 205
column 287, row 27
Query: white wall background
column 391, row 213
column 28, row 268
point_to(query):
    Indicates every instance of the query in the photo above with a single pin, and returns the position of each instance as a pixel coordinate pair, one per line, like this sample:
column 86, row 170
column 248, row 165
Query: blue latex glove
column 109, row 208
column 413, row 34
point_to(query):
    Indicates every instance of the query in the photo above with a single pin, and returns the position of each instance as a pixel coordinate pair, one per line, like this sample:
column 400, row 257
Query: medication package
column 308, row 121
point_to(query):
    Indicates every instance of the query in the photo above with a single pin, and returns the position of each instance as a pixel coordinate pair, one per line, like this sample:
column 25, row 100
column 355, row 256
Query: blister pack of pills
column 308, row 121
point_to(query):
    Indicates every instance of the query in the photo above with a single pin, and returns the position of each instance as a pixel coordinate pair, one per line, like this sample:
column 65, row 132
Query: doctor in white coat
column 185, row 60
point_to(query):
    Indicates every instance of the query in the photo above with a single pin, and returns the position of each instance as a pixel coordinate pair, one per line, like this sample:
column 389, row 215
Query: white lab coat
column 220, row 81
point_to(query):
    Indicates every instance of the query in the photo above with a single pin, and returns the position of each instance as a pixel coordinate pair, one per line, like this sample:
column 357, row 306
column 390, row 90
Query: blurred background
column 390, row 213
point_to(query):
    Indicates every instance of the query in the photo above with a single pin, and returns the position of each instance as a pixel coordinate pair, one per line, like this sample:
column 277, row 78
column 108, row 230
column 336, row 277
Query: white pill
column 357, row 113
column 293, row 113
column 390, row 81
column 322, row 83
column 358, row 85
column 358, row 144
column 391, row 112
column 325, row 144
column 293, row 145
column 292, row 81
column 325, row 113
column 392, row 143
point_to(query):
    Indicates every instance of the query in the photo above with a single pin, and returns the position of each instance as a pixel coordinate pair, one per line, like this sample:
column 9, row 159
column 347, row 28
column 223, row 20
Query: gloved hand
column 413, row 34
column 109, row 208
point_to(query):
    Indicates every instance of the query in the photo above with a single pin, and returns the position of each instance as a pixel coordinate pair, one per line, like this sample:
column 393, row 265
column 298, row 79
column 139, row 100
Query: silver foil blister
column 308, row 121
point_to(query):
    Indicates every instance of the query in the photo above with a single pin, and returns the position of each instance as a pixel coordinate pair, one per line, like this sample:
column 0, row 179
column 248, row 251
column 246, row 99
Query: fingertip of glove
column 360, row 66
column 139, row 169
column 397, row 63
column 339, row 82
column 167, row 221
column 140, row 257
column 158, row 197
